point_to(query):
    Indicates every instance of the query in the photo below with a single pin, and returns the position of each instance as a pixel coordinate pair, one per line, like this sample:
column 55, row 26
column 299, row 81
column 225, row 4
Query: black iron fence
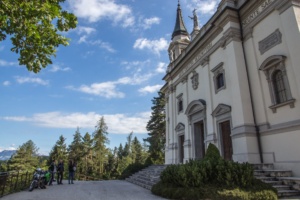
column 14, row 181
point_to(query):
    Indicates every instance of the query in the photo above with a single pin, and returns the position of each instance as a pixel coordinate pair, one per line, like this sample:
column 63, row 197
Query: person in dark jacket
column 60, row 172
column 71, row 171
column 52, row 170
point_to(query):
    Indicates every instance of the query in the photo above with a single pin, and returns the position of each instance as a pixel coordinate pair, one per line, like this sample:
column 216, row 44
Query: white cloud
column 148, row 22
column 85, row 30
column 56, row 68
column 11, row 147
column 6, row 83
column 153, row 45
column 109, row 89
column 5, row 63
column 39, row 81
column 82, row 39
column 205, row 7
column 126, row 122
column 103, row 45
column 105, row 89
column 96, row 10
column 150, row 89
column 16, row 118
column 135, row 64
column 161, row 67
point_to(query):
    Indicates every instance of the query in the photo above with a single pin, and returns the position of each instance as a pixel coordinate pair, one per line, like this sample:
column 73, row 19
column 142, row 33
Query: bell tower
column 180, row 37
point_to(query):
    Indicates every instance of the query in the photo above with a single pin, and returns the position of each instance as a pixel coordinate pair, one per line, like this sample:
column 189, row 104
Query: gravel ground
column 87, row 190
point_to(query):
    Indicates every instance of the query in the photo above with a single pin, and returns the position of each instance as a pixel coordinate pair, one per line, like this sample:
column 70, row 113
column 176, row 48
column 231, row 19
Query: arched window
column 276, row 75
column 279, row 87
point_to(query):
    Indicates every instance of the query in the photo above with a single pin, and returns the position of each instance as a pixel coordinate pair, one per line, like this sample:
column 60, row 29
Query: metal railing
column 14, row 181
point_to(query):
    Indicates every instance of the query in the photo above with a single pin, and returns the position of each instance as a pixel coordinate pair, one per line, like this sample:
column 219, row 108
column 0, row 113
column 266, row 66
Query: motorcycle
column 38, row 180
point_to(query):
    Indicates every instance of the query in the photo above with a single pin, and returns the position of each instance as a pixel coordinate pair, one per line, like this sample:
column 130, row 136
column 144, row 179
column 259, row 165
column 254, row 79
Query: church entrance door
column 199, row 140
column 181, row 148
column 226, row 140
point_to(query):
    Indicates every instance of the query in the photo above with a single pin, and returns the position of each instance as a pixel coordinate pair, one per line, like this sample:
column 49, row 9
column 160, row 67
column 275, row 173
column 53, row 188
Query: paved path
column 87, row 190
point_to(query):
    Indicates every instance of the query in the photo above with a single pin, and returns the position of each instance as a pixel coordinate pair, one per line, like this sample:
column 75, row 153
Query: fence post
column 4, row 184
column 21, row 181
column 11, row 183
column 25, row 185
column 16, row 184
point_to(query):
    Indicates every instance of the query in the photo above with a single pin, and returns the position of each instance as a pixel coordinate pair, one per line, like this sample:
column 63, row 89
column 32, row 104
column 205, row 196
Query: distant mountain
column 6, row 154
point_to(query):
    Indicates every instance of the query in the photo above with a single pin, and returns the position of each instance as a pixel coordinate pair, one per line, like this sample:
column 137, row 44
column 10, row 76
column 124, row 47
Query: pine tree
column 87, row 150
column 75, row 148
column 137, row 151
column 26, row 158
column 157, row 127
column 100, row 140
column 59, row 151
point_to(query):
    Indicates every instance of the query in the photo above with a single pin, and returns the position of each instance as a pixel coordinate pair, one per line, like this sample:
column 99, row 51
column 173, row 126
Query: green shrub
column 261, row 191
column 223, row 179
column 212, row 153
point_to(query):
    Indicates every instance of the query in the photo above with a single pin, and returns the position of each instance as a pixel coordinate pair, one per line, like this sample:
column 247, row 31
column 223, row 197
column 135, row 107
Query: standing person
column 60, row 172
column 52, row 170
column 71, row 171
column 55, row 170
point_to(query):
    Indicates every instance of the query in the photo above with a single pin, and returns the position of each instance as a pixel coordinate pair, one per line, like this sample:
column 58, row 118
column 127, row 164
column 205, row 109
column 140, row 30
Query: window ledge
column 290, row 102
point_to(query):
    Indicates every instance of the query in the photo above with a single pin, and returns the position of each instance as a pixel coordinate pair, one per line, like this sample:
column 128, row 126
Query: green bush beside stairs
column 212, row 178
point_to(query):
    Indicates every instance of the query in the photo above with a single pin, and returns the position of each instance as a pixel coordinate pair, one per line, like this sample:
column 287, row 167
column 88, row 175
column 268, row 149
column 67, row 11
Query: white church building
column 235, row 82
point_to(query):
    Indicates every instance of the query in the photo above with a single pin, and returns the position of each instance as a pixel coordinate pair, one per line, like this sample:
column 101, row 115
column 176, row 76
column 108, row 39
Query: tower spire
column 179, row 28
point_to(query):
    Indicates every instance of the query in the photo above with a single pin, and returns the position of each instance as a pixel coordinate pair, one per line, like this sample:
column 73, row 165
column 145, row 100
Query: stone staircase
column 147, row 177
column 282, row 180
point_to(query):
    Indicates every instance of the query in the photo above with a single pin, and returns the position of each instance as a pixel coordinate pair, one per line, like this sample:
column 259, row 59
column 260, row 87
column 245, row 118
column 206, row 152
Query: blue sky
column 113, row 67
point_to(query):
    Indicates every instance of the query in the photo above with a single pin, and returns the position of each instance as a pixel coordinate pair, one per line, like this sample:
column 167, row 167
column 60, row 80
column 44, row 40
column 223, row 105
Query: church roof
column 179, row 28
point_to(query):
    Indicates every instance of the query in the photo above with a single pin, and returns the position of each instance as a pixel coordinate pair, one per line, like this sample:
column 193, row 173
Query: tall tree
column 34, row 28
column 87, row 150
column 137, row 151
column 59, row 150
column 25, row 158
column 100, row 140
column 76, row 147
column 157, row 128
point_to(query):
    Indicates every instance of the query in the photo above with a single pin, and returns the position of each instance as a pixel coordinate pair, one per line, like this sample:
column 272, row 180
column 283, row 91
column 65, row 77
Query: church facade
column 235, row 82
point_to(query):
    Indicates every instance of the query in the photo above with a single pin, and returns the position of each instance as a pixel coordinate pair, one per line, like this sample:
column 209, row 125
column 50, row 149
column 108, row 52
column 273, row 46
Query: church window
column 279, row 88
column 220, row 80
column 276, row 75
column 179, row 103
column 219, row 77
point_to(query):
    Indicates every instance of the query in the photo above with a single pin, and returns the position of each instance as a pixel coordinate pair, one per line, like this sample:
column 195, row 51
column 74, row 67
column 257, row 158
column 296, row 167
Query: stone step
column 266, row 178
column 273, row 182
column 147, row 182
column 286, row 185
column 282, row 187
column 294, row 182
column 139, row 184
column 273, row 173
column 287, row 193
column 147, row 177
column 263, row 166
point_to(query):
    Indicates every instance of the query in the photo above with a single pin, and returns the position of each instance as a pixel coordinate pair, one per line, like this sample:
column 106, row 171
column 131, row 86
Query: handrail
column 14, row 181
